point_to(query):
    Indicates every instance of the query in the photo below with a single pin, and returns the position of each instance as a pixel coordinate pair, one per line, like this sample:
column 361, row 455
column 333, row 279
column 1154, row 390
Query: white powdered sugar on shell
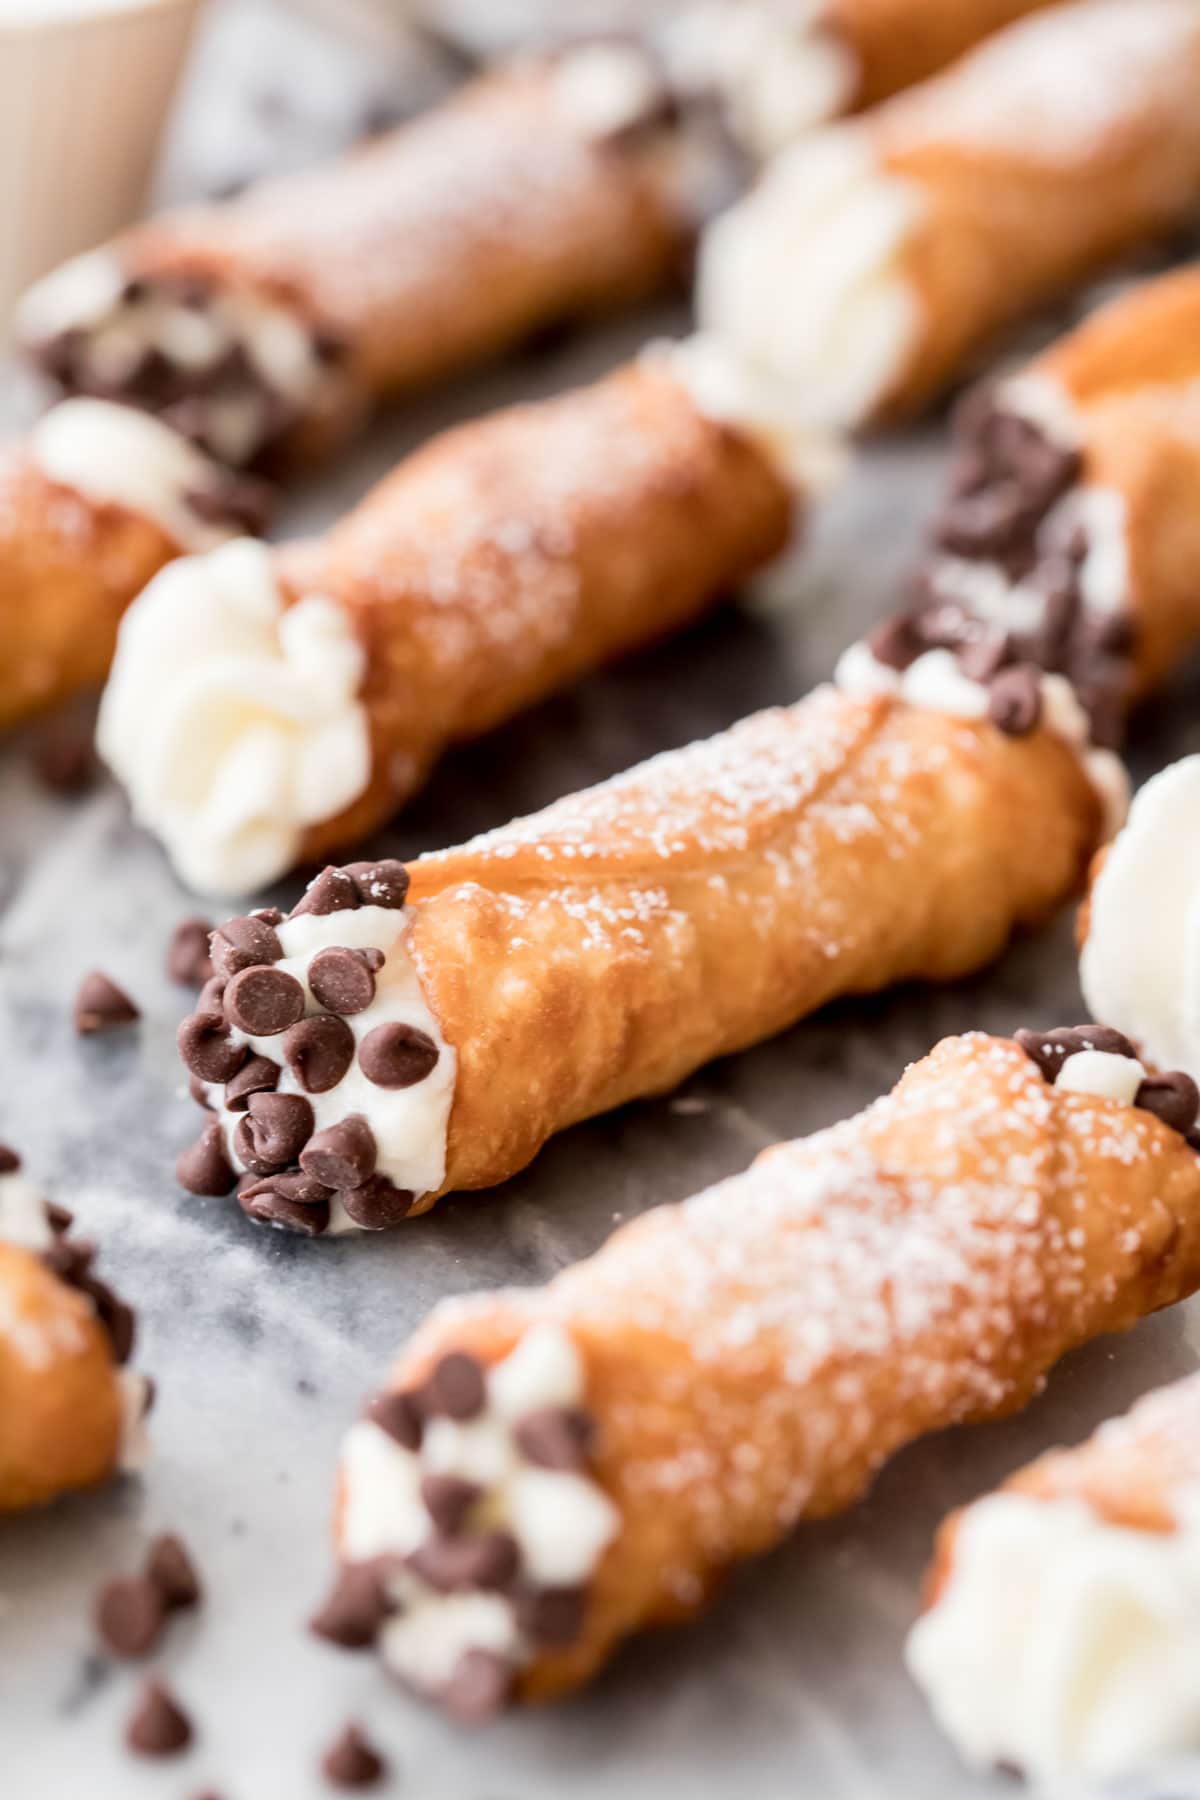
column 1062, row 87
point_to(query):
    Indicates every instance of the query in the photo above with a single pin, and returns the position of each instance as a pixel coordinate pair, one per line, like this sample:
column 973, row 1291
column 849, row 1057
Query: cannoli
column 1062, row 1629
column 1072, row 524
column 93, row 502
column 267, row 326
column 548, row 1471
column 268, row 704
column 70, row 1411
column 875, row 258
column 389, row 1042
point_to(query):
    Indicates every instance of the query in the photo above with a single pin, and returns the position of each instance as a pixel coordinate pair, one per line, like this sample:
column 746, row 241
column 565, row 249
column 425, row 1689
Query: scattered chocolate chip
column 158, row 1726
column 333, row 890
column 356, row 1607
column 400, row 1416
column 551, row 1616
column 244, row 943
column 448, row 1499
column 1015, row 700
column 377, row 1203
column 205, row 1168
column 207, row 1049
column 341, row 1156
column 65, row 759
column 352, row 1761
column 383, row 883
column 100, row 1005
column 479, row 1688
column 555, row 1437
column 397, row 1056
column 257, row 1075
column 1173, row 1098
column 343, row 981
column 273, row 1131
column 271, row 1202
column 318, row 1051
column 263, row 1002
column 130, row 1616
column 484, row 1560
column 456, row 1387
column 1050, row 1049
column 188, row 961
column 10, row 1162
column 173, row 1573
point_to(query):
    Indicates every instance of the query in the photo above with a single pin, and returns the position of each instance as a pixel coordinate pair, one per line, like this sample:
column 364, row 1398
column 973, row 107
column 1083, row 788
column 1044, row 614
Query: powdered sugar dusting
column 1061, row 86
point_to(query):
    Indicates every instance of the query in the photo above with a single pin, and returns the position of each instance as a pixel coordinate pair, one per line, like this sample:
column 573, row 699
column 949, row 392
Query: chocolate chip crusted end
column 1172, row 1097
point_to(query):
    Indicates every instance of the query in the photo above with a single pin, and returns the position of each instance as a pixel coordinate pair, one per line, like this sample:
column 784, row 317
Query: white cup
column 85, row 86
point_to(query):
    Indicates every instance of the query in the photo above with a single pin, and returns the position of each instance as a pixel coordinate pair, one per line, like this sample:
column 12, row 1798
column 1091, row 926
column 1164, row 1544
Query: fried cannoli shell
column 568, row 533
column 896, row 44
column 1148, row 337
column 60, row 1398
column 753, row 1357
column 607, row 948
column 1002, row 231
column 69, row 567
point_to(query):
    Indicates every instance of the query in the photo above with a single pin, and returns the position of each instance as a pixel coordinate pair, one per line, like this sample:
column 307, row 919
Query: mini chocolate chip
column 173, row 1573
column 397, row 1056
column 1015, row 700
column 448, row 1499
column 400, row 1416
column 342, row 981
column 130, row 1616
column 244, row 943
column 100, row 1005
column 65, row 759
column 485, row 1560
column 207, row 1049
column 188, row 961
column 555, row 1437
column 352, row 1760
column 10, row 1162
column 377, row 1203
column 1174, row 1098
column 270, row 1202
column 551, row 1616
column 263, row 1002
column 241, row 500
column 333, row 890
column 273, row 1131
column 341, row 1156
column 205, row 1168
column 258, row 1075
column 118, row 1320
column 270, row 915
column 1050, row 1049
column 318, row 1051
column 58, row 1217
column 983, row 659
column 70, row 1259
column 456, row 1387
column 383, row 883
column 158, row 1726
column 479, row 1688
column 356, row 1607
column 894, row 643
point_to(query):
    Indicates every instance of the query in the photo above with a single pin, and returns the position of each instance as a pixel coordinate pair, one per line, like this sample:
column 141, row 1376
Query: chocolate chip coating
column 319, row 1050
column 356, row 1607
column 343, row 981
column 555, row 1437
column 456, row 1387
column 478, row 1689
column 257, row 1075
column 384, row 883
column 343, row 1155
column 207, row 1049
column 1015, row 700
column 244, row 943
column 377, row 1203
column 1173, row 1098
column 331, row 891
column 397, row 1056
column 1050, row 1049
column 270, row 1202
column 552, row 1616
column 400, row 1416
column 263, row 1001
column 273, row 1132
column 484, row 1560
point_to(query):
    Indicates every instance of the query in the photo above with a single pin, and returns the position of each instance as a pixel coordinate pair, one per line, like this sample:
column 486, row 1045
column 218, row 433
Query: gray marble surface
column 264, row 1345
